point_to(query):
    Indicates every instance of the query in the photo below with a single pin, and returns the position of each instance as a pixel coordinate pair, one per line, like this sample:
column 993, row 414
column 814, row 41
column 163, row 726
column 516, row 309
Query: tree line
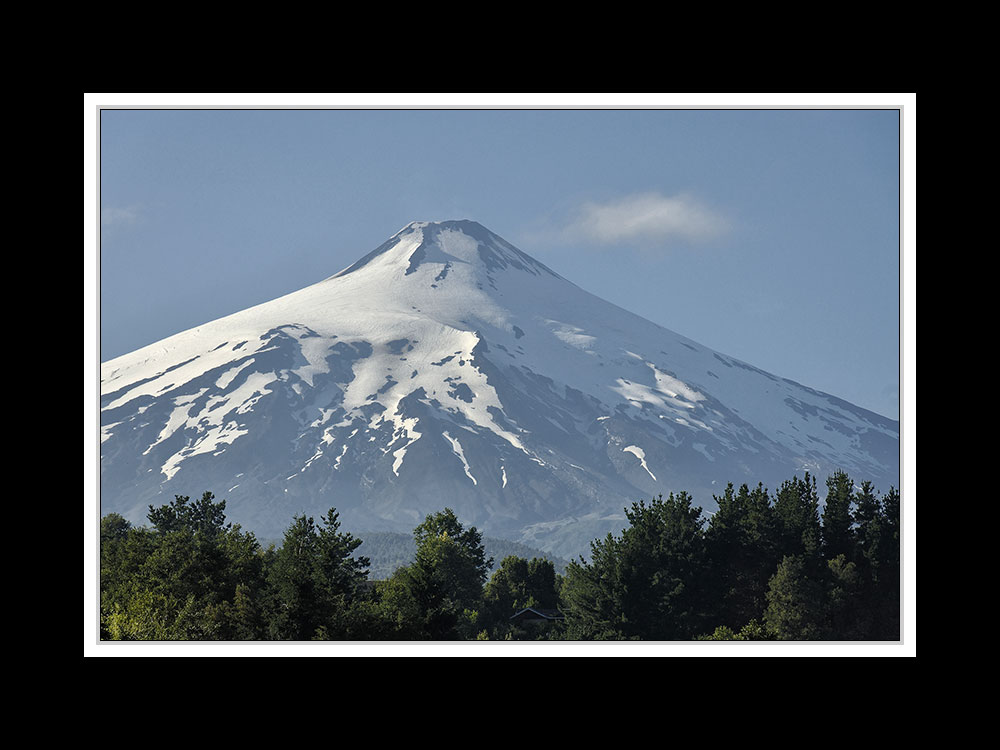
column 764, row 566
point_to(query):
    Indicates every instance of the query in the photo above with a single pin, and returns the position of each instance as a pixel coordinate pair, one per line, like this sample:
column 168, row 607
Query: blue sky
column 772, row 235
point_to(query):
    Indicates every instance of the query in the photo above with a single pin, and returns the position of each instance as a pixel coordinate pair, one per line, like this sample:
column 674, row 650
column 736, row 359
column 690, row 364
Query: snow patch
column 674, row 388
column 178, row 418
column 456, row 447
column 639, row 453
column 408, row 426
column 208, row 443
column 229, row 375
column 336, row 463
column 572, row 335
column 106, row 430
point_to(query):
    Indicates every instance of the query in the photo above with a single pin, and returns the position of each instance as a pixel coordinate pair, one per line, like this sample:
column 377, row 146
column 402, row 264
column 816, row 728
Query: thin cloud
column 646, row 217
column 112, row 216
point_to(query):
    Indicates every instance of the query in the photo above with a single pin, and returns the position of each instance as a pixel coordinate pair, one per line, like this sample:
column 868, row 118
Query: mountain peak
column 447, row 223
column 448, row 368
column 445, row 243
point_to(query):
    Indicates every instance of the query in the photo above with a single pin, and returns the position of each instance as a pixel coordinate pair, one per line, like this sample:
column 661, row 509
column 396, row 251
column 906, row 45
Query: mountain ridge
column 448, row 368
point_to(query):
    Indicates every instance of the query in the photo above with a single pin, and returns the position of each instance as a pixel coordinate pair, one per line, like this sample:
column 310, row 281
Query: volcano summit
column 447, row 368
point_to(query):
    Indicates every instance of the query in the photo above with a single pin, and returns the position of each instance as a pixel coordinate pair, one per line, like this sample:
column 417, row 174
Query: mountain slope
column 449, row 369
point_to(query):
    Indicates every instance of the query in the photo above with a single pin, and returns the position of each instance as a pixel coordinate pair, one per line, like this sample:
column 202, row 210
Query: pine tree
column 741, row 543
column 649, row 584
column 179, row 579
column 314, row 579
column 439, row 596
column 869, row 528
column 889, row 572
column 837, row 517
column 796, row 509
column 796, row 602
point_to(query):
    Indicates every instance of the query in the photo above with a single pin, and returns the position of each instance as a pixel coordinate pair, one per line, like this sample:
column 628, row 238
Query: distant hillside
column 388, row 551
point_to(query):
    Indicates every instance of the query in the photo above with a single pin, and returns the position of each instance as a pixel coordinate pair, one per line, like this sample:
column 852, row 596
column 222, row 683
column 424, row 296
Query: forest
column 766, row 566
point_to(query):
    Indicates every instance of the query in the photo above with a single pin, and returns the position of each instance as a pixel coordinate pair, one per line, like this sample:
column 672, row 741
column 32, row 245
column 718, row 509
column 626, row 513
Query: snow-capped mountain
column 447, row 368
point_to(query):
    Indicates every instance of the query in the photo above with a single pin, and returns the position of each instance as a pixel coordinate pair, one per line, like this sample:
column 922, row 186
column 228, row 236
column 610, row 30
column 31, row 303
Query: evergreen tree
column 439, row 596
column 516, row 584
column 796, row 602
column 314, row 579
column 849, row 619
column 889, row 569
column 837, row 517
column 340, row 571
column 178, row 580
column 752, row 631
column 741, row 541
column 648, row 584
column 876, row 555
column 114, row 533
column 591, row 595
column 757, row 570
column 204, row 515
column 297, row 606
column 869, row 527
column 796, row 509
column 399, row 614
column 892, row 534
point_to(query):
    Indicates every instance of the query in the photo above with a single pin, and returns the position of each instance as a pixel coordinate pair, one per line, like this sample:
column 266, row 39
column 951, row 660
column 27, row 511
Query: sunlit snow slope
column 448, row 369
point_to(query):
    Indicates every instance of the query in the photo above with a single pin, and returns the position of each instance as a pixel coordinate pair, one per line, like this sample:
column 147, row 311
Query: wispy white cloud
column 116, row 216
column 646, row 217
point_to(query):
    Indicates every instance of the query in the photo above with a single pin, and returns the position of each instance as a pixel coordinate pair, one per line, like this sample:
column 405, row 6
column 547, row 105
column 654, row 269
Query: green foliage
column 761, row 568
column 645, row 584
column 876, row 555
column 388, row 551
column 441, row 530
column 837, row 518
column 521, row 583
column 439, row 595
column 518, row 584
column 796, row 602
column 178, row 580
column 203, row 515
column 796, row 509
column 742, row 542
column 313, row 579
column 752, row 631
